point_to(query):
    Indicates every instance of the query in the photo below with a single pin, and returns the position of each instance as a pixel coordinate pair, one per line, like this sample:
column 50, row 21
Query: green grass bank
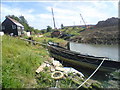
column 20, row 61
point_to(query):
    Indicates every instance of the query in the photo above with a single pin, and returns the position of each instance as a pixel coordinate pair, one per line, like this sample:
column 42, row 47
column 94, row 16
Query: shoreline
column 113, row 41
column 77, row 42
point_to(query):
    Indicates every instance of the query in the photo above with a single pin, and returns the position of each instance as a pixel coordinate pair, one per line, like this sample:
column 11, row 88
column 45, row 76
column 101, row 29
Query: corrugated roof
column 16, row 22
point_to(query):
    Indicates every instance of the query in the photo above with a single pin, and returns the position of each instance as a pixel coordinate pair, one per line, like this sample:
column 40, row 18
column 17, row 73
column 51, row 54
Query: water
column 110, row 51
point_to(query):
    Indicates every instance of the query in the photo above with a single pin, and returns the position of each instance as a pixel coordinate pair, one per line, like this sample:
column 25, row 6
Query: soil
column 102, row 33
column 98, row 35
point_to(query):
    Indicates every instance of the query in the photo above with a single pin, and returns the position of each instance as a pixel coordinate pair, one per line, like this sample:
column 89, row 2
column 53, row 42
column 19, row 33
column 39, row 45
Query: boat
column 81, row 60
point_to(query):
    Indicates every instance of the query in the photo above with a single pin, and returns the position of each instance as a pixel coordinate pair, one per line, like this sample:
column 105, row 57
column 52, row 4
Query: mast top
column 83, row 20
column 53, row 18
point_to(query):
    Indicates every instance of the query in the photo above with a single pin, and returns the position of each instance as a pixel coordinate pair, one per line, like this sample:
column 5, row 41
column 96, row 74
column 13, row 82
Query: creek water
column 110, row 51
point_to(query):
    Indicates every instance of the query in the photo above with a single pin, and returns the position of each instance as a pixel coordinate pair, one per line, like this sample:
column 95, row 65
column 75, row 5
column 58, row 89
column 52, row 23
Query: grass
column 0, row 60
column 47, row 81
column 19, row 62
column 72, row 30
column 48, row 39
column 75, row 31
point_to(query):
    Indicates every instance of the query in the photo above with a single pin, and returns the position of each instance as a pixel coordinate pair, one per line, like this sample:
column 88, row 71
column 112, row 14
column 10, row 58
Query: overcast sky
column 38, row 13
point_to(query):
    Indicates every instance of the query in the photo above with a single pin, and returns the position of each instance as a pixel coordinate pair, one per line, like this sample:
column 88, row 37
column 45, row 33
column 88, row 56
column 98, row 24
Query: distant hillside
column 67, row 32
column 104, row 32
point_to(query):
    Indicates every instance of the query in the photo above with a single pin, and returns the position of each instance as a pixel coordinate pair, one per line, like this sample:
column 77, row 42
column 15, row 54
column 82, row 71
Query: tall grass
column 0, row 60
column 19, row 62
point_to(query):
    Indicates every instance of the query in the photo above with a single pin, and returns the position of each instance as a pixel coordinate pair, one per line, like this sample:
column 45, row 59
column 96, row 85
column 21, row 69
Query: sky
column 39, row 14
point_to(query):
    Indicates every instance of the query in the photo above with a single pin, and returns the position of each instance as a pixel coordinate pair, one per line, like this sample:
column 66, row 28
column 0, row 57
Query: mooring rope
column 91, row 74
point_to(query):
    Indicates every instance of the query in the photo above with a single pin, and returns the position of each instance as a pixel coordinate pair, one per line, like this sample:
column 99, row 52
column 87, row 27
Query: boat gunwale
column 79, row 54
column 103, row 68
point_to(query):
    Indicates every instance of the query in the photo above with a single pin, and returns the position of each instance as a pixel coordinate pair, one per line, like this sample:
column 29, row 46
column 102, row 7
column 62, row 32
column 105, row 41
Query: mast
column 83, row 20
column 53, row 18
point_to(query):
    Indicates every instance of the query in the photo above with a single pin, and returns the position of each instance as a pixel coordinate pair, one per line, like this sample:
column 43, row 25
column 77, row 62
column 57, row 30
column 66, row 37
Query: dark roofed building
column 11, row 26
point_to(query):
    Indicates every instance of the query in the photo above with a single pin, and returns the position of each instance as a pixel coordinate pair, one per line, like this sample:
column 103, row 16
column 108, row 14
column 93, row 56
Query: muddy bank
column 98, row 35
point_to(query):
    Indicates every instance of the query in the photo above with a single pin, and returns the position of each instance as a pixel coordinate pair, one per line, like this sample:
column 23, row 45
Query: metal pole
column 53, row 18
column 83, row 20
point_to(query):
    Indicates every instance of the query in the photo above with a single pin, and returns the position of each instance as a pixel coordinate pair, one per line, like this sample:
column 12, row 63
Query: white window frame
column 13, row 26
column 18, row 27
column 22, row 28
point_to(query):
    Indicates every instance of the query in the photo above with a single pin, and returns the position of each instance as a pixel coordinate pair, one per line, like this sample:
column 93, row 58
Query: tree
column 13, row 17
column 22, row 20
column 36, row 31
column 62, row 27
column 49, row 29
column 42, row 31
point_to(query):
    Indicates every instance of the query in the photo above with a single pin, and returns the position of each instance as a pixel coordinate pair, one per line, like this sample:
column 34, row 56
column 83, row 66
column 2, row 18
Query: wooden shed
column 12, row 27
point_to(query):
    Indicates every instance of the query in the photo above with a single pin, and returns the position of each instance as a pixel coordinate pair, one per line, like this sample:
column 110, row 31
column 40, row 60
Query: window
column 18, row 27
column 13, row 26
column 3, row 27
column 22, row 28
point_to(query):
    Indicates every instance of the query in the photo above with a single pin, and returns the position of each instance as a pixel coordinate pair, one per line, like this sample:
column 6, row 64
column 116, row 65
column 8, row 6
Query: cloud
column 45, row 16
column 30, row 11
column 72, row 13
column 99, row 4
column 60, row 10
column 66, row 13
column 7, row 10
column 115, row 4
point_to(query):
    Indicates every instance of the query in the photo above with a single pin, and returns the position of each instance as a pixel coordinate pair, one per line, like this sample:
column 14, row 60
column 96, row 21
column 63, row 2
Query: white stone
column 72, row 70
column 56, row 63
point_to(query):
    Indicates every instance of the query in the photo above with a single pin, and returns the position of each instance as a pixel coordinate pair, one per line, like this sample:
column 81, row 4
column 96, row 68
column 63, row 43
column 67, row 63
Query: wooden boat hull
column 80, row 60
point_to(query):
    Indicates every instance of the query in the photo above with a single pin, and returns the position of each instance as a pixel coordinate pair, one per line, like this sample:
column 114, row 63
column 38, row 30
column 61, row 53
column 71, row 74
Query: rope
column 91, row 75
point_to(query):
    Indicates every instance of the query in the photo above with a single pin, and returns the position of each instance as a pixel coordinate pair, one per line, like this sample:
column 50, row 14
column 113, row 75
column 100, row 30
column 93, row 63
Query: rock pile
column 58, row 72
column 55, row 67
